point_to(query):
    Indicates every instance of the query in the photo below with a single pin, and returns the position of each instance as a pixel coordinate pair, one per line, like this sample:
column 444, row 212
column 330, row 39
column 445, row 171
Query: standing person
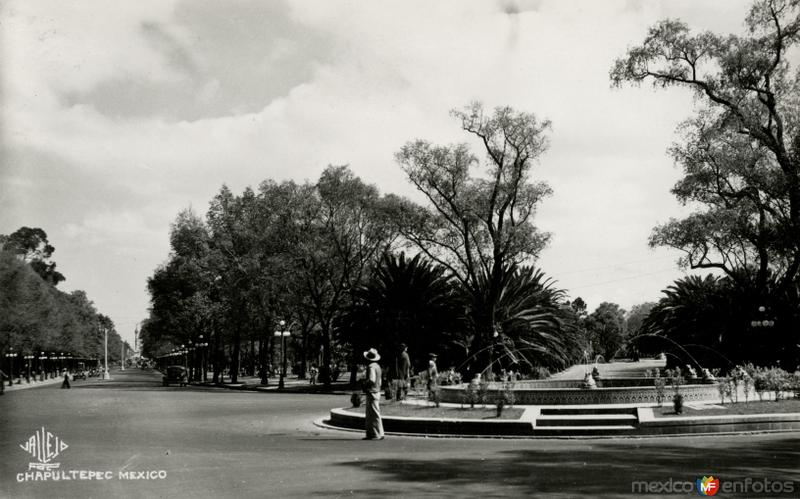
column 2, row 382
column 65, row 384
column 433, row 373
column 403, row 371
column 372, row 388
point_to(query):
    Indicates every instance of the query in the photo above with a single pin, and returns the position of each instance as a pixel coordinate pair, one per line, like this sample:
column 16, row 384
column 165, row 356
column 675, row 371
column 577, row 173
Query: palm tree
column 409, row 301
column 530, row 327
column 712, row 318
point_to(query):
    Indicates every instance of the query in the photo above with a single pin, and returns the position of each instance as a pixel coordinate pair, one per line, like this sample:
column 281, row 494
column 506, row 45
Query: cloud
column 213, row 65
column 118, row 115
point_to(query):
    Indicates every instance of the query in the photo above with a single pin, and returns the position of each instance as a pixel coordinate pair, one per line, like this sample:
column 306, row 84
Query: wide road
column 148, row 441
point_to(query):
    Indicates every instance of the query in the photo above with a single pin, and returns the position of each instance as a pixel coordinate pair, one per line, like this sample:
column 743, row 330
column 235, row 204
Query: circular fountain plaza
column 618, row 383
column 619, row 403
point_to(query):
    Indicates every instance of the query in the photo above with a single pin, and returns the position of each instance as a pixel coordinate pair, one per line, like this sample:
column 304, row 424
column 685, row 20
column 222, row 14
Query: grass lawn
column 421, row 411
column 768, row 407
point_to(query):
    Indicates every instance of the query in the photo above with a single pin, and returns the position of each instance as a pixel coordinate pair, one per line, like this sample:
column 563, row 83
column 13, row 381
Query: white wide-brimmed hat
column 372, row 355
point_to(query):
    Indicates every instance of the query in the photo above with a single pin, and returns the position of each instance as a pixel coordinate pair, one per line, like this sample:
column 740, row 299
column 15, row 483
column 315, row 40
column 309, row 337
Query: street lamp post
column 201, row 345
column 191, row 361
column 761, row 322
column 282, row 333
column 105, row 370
column 28, row 359
column 10, row 356
column 495, row 335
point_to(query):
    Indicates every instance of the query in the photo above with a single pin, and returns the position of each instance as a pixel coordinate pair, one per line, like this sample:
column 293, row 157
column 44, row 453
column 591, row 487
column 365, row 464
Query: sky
column 115, row 116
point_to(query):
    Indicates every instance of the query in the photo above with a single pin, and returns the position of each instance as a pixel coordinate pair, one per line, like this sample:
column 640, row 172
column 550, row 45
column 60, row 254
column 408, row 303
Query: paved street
column 210, row 442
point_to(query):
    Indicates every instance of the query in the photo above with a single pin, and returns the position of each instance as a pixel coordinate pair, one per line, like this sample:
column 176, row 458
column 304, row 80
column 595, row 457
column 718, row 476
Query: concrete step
column 567, row 411
column 587, row 420
column 582, row 430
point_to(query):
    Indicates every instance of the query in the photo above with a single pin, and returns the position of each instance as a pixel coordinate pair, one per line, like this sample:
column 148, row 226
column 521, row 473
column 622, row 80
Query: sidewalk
column 291, row 385
column 33, row 384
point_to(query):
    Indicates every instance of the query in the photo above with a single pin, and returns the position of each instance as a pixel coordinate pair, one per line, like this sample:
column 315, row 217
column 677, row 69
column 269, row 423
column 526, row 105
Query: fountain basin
column 571, row 392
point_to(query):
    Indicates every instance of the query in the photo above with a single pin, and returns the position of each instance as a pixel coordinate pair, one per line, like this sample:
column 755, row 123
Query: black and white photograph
column 441, row 248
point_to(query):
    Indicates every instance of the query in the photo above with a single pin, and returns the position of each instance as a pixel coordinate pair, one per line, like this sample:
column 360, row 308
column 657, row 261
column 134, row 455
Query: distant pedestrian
column 65, row 384
column 2, row 382
column 432, row 373
column 403, row 372
column 372, row 389
column 313, row 375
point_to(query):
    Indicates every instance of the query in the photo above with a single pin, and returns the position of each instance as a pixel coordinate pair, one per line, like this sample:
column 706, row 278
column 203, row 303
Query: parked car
column 175, row 375
column 79, row 375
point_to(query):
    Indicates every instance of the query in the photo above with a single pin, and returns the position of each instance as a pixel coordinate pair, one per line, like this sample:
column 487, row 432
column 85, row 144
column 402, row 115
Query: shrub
column 483, row 392
column 760, row 383
column 773, row 379
column 470, row 396
column 449, row 378
column 677, row 381
column 724, row 388
column 508, row 396
column 777, row 380
column 540, row 373
column 677, row 403
column 660, row 384
column 746, row 375
column 733, row 387
column 500, row 404
column 794, row 384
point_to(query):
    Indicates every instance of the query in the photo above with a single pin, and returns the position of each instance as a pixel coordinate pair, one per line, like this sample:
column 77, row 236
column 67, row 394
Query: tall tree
column 181, row 290
column 742, row 152
column 32, row 246
column 342, row 230
column 476, row 224
column 236, row 261
column 635, row 318
column 606, row 328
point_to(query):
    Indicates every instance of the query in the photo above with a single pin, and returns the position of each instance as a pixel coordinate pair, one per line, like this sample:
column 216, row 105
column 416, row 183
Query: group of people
column 402, row 373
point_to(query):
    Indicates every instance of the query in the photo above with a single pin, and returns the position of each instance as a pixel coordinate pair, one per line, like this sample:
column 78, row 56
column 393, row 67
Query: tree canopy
column 36, row 317
column 31, row 245
column 479, row 225
column 740, row 152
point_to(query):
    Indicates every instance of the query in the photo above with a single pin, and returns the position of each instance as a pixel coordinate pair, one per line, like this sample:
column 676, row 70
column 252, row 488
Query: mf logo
column 708, row 485
column 44, row 447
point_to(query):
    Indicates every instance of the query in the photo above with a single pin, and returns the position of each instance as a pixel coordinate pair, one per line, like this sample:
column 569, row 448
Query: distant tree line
column 347, row 268
column 35, row 316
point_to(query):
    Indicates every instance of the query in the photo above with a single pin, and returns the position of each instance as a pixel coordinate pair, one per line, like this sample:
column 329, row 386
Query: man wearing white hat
column 372, row 387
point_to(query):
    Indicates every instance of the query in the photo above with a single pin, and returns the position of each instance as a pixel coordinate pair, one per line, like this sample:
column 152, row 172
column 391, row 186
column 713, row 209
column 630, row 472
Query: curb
column 35, row 384
column 342, row 420
column 272, row 388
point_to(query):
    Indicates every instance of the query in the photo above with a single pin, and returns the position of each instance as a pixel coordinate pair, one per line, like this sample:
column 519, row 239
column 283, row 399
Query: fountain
column 613, row 389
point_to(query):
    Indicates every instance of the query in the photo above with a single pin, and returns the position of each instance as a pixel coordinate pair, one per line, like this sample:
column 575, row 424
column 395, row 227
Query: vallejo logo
column 44, row 447
column 708, row 485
